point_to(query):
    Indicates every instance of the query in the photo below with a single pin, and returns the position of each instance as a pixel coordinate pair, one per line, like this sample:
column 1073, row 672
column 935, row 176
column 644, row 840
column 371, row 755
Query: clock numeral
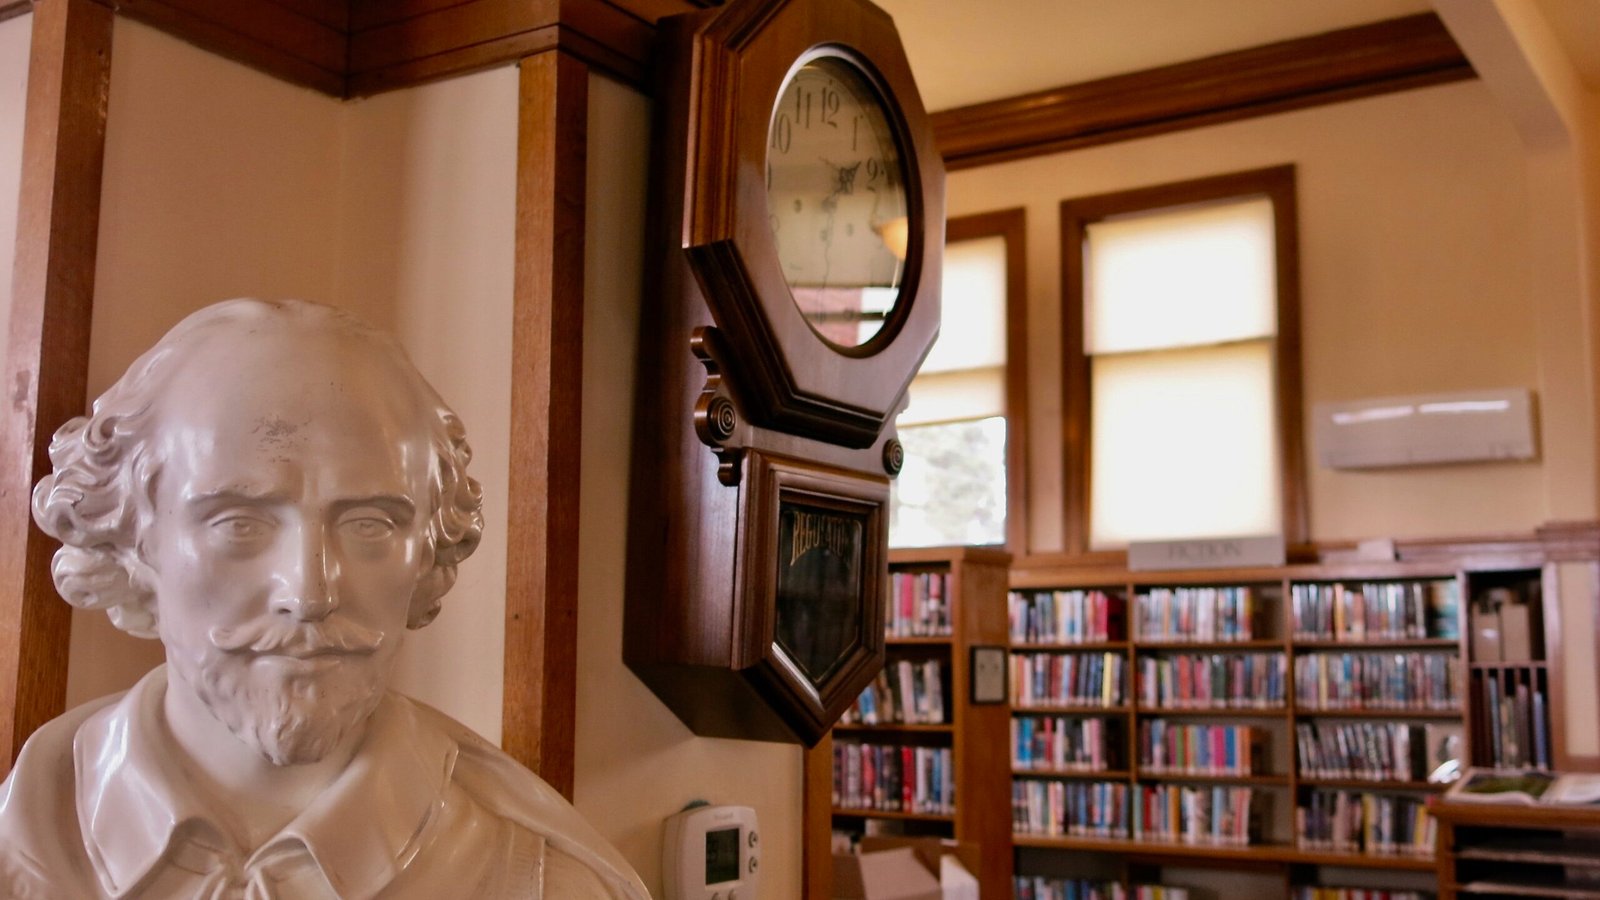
column 782, row 133
column 874, row 169
column 830, row 108
column 802, row 108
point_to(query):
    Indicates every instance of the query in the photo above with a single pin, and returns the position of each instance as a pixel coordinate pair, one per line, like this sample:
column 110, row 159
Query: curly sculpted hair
column 100, row 499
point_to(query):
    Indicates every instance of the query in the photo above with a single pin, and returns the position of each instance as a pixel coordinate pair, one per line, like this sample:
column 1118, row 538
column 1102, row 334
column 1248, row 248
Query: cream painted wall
column 429, row 216
column 16, row 35
column 638, row 764
column 219, row 182
column 1415, row 266
column 222, row 182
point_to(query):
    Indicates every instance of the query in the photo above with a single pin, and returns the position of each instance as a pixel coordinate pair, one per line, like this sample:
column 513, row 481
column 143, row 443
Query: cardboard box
column 883, row 875
column 1485, row 634
column 1516, row 634
column 928, row 849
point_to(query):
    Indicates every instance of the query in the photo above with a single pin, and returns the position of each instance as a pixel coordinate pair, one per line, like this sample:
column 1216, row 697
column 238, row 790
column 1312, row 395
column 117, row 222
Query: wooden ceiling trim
column 267, row 36
column 1399, row 54
column 10, row 9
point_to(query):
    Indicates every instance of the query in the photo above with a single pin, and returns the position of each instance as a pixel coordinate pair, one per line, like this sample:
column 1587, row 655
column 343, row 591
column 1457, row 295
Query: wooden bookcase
column 1493, row 850
column 977, row 580
column 1275, row 849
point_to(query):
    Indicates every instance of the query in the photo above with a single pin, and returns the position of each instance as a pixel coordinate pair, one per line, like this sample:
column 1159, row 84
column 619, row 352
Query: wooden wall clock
column 793, row 290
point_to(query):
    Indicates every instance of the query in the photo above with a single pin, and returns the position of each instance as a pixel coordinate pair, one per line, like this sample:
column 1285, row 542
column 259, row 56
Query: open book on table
column 1529, row 787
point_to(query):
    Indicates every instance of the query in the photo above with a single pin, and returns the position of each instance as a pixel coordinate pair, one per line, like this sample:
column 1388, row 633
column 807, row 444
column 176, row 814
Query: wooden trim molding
column 1396, row 55
column 10, row 9
column 540, row 704
column 47, row 357
column 1277, row 183
column 1011, row 225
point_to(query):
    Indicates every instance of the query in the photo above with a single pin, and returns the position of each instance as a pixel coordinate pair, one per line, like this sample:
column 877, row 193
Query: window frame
column 1011, row 226
column 1278, row 184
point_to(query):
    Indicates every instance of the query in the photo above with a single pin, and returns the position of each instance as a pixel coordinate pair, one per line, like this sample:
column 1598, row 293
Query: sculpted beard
column 291, row 718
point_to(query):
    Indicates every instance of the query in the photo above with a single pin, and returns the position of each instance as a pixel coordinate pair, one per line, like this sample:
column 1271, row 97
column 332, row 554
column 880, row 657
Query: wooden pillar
column 47, row 357
column 546, row 418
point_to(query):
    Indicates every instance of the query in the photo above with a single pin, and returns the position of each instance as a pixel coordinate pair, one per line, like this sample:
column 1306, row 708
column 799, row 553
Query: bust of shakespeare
column 275, row 493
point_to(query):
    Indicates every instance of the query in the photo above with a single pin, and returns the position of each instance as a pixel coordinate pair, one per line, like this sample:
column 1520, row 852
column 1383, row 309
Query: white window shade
column 1184, row 445
column 953, row 396
column 1180, row 277
column 972, row 325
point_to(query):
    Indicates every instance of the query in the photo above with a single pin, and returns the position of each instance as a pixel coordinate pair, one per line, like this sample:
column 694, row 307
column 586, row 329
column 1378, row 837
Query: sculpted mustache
column 277, row 634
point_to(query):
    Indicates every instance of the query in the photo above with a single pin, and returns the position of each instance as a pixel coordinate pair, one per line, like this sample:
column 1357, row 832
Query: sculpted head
column 275, row 493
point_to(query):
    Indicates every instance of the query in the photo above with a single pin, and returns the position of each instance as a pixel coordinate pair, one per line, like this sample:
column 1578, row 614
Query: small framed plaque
column 988, row 680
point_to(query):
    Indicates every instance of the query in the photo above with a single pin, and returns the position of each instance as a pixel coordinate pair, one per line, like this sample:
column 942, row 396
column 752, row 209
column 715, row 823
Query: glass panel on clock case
column 836, row 200
column 821, row 555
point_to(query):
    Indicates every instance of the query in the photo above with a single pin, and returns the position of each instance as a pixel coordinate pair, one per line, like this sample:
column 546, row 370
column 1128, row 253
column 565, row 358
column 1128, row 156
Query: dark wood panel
column 539, row 709
column 369, row 14
column 10, row 9
column 264, row 36
column 47, row 360
column 334, row 14
column 816, row 822
column 1399, row 54
column 482, row 33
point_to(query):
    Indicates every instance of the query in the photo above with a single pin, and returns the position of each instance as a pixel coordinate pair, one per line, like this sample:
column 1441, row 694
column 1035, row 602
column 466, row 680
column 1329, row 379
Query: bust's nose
column 308, row 586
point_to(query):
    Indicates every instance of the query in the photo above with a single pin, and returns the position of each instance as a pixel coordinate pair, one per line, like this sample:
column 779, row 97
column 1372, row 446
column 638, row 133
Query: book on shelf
column 1374, row 751
column 1159, row 892
column 1225, row 680
column 1065, row 743
column 1527, row 787
column 905, row 692
column 1180, row 748
column 893, row 778
column 1214, row 815
column 1346, row 821
column 1197, row 614
column 1065, row 617
column 1069, row 808
column 1518, row 726
column 1317, row 892
column 918, row 605
column 1068, row 679
column 1376, row 680
column 1372, row 611
column 1038, row 887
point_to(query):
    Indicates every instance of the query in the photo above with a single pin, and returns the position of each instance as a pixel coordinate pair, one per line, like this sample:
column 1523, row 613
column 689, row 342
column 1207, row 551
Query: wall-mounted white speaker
column 1467, row 426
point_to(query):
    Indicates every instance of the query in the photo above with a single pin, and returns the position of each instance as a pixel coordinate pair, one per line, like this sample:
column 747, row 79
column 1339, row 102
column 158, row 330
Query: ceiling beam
column 1395, row 55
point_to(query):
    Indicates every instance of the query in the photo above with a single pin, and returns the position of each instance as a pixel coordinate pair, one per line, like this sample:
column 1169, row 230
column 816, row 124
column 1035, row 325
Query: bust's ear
column 430, row 589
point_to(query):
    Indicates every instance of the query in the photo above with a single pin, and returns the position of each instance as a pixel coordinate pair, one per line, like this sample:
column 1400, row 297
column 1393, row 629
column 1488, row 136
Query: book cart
column 888, row 770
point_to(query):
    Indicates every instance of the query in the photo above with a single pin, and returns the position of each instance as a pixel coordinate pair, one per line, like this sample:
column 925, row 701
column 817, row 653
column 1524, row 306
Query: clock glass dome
column 836, row 200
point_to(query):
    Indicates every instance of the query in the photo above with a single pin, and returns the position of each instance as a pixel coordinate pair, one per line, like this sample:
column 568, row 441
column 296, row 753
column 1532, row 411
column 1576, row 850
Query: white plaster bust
column 276, row 494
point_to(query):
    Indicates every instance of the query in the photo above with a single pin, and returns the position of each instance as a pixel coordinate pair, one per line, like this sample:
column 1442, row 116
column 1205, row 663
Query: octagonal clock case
column 792, row 291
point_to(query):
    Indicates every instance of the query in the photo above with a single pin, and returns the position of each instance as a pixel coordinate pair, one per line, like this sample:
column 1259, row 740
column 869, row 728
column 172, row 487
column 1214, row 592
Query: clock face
column 836, row 199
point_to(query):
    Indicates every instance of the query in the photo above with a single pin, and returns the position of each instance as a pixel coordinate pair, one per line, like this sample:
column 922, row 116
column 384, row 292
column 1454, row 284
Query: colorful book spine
column 918, row 605
column 1063, row 743
column 1065, row 617
column 1424, row 680
column 1178, row 748
column 1035, row 887
column 1374, row 751
column 1196, row 614
column 906, row 692
column 1314, row 892
column 1212, row 681
column 1216, row 815
column 1356, row 822
column 1068, row 679
column 893, row 778
column 1069, row 808
column 1386, row 610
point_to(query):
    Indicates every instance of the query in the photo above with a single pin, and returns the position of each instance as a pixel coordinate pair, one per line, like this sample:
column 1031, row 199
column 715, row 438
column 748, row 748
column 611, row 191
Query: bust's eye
column 240, row 527
column 367, row 525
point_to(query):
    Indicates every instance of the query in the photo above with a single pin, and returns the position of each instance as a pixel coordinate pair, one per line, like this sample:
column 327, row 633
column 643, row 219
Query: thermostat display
column 711, row 853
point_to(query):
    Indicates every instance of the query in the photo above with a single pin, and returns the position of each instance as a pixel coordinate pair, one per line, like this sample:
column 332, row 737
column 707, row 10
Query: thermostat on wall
column 711, row 853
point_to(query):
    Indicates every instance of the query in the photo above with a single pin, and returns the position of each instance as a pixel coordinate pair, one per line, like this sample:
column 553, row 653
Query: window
column 962, row 483
column 1182, row 362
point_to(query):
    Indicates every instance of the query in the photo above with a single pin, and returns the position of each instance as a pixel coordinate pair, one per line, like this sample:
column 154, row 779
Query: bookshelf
column 926, row 656
column 1489, row 850
column 1277, row 721
column 1508, row 672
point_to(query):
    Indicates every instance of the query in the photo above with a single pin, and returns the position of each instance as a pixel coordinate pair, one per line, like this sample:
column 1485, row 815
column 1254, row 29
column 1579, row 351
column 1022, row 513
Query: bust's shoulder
column 40, row 844
column 509, row 790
